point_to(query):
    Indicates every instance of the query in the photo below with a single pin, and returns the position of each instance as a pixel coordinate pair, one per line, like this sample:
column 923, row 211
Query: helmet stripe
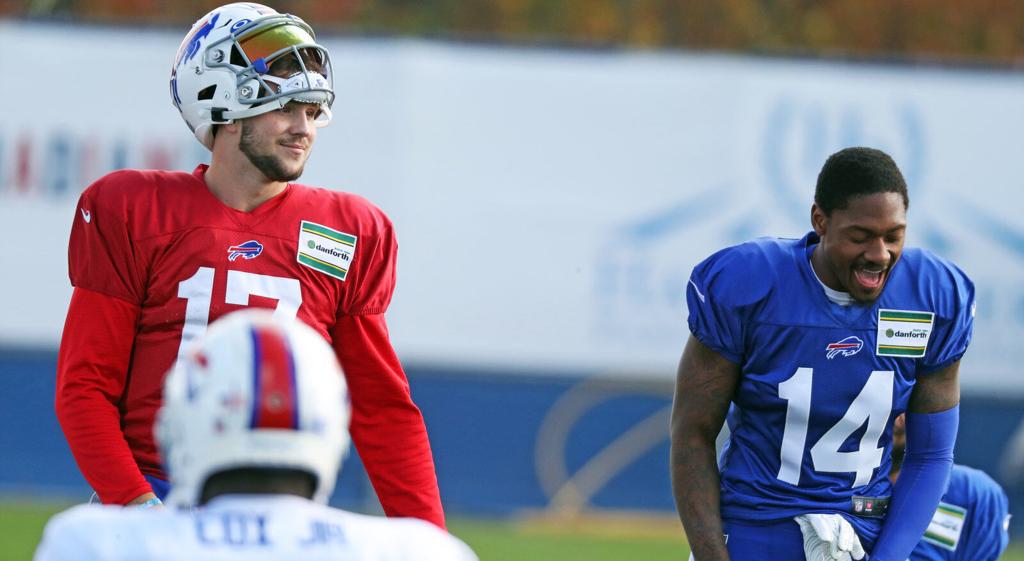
column 275, row 404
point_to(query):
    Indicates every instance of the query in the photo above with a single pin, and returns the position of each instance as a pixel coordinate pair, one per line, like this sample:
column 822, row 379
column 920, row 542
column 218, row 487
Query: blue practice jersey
column 821, row 383
column 970, row 523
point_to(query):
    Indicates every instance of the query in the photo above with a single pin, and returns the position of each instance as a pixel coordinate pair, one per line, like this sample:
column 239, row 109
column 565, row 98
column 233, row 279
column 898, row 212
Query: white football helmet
column 245, row 59
column 253, row 392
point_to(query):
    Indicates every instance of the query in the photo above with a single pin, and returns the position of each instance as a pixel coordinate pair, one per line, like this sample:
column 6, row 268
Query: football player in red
column 155, row 256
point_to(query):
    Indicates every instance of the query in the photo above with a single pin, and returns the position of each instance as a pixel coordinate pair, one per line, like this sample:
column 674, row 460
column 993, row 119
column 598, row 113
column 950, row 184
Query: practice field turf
column 21, row 525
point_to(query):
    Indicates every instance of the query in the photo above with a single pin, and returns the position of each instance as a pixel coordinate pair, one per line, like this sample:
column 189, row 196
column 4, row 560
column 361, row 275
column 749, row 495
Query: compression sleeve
column 92, row 367
column 387, row 428
column 922, row 482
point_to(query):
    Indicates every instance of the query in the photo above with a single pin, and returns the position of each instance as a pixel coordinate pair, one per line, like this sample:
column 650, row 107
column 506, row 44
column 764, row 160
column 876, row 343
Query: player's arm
column 387, row 427
column 62, row 541
column 705, row 385
column 932, row 419
column 426, row 541
column 936, row 392
column 92, row 364
column 56, row 545
column 108, row 272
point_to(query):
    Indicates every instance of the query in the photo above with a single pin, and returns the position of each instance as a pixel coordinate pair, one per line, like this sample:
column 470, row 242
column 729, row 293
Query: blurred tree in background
column 961, row 31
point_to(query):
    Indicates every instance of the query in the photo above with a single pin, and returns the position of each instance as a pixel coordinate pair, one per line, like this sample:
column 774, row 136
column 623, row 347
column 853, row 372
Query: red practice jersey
column 155, row 256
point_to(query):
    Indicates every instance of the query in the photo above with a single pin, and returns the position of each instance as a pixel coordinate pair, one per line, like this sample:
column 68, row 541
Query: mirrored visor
column 262, row 44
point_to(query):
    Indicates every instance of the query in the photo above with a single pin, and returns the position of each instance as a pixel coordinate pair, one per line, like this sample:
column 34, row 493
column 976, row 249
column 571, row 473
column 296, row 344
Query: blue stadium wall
column 504, row 442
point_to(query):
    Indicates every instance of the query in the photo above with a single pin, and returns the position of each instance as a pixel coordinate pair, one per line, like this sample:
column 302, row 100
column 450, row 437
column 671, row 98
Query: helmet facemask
column 275, row 60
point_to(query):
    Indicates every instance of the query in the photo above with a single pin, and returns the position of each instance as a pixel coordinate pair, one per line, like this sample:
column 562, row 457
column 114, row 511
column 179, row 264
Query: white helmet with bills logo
column 255, row 392
column 245, row 59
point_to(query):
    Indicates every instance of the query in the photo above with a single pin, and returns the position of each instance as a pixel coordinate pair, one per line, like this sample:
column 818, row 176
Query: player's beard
column 269, row 165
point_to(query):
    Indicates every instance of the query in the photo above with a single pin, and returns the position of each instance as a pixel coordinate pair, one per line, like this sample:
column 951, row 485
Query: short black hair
column 854, row 172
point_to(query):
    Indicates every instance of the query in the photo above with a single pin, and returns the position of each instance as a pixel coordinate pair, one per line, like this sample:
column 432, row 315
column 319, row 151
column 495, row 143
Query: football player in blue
column 972, row 520
column 818, row 344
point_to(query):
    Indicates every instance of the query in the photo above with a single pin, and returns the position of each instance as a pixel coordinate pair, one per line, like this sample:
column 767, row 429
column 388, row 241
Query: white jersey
column 253, row 528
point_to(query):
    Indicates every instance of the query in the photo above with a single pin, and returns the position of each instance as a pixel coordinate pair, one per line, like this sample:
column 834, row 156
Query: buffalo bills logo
column 847, row 347
column 248, row 250
column 192, row 47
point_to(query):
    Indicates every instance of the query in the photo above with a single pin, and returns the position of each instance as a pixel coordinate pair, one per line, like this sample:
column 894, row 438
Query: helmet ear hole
column 207, row 92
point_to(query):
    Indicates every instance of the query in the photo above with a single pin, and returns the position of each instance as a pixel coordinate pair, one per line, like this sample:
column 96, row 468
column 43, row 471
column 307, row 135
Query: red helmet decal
column 275, row 397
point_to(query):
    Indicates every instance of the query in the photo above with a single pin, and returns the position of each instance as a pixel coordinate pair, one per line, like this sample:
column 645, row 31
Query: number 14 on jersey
column 873, row 404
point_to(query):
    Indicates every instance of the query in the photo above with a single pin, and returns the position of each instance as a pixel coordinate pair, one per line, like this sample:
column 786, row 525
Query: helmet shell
column 220, row 71
column 254, row 392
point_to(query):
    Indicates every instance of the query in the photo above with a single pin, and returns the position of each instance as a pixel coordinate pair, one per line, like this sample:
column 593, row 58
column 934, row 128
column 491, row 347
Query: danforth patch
column 326, row 250
column 903, row 333
column 946, row 525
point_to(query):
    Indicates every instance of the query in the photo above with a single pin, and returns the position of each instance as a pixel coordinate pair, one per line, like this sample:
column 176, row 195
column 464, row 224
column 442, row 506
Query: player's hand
column 829, row 537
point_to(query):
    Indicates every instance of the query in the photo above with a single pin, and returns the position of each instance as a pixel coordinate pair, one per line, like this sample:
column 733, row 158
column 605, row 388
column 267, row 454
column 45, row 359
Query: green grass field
column 21, row 525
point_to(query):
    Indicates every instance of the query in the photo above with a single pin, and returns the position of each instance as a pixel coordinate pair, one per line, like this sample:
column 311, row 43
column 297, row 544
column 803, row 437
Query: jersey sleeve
column 986, row 533
column 721, row 293
column 954, row 320
column 57, row 544
column 101, row 257
column 66, row 538
column 387, row 428
column 372, row 277
column 92, row 366
column 440, row 545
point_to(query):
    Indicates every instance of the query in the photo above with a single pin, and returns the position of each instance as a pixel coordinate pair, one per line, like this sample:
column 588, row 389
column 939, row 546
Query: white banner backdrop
column 549, row 204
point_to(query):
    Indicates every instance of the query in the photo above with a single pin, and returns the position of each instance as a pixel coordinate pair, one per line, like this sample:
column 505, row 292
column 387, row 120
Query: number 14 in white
column 873, row 404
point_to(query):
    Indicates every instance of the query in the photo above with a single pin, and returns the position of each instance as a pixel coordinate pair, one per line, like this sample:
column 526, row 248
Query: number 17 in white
column 873, row 404
column 198, row 291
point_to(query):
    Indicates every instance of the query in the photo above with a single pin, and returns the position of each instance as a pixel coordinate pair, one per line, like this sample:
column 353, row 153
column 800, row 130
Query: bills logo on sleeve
column 325, row 250
column 903, row 333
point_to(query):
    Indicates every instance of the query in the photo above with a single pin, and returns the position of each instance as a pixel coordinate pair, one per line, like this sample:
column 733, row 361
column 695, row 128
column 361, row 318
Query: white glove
column 829, row 537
